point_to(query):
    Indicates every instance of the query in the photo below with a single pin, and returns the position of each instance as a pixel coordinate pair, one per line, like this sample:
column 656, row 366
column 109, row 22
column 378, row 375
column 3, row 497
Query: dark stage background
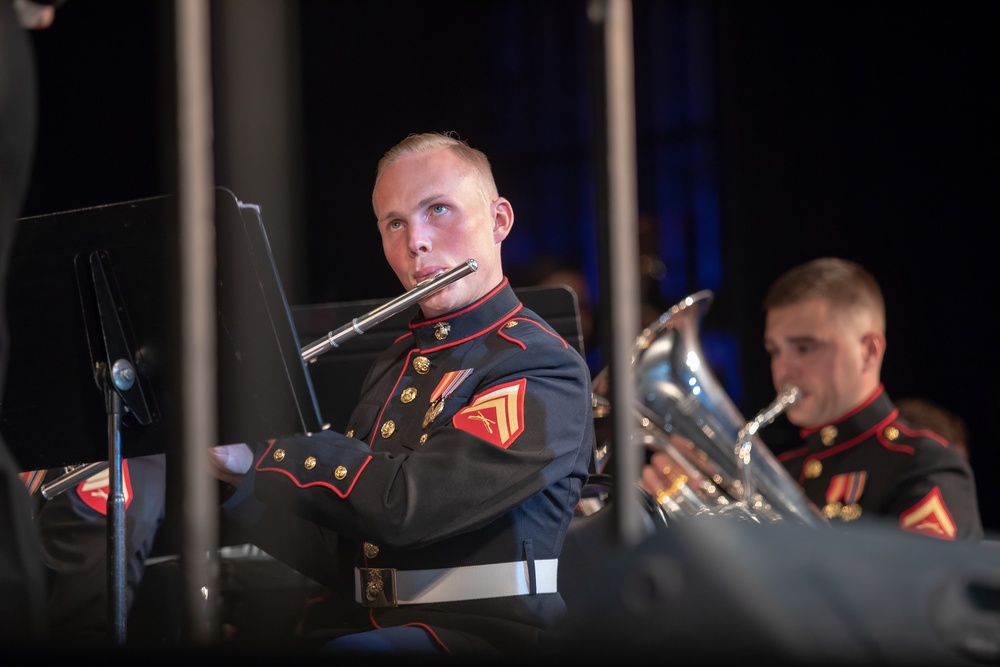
column 768, row 133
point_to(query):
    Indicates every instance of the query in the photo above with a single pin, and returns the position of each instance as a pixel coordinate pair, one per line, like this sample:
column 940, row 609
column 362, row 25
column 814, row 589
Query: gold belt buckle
column 378, row 587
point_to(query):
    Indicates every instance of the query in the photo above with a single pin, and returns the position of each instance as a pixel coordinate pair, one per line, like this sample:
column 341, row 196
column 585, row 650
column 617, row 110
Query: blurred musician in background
column 945, row 423
column 859, row 460
column 449, row 496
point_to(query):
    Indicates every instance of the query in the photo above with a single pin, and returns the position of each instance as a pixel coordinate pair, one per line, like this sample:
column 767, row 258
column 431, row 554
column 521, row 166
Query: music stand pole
column 116, row 374
column 122, row 377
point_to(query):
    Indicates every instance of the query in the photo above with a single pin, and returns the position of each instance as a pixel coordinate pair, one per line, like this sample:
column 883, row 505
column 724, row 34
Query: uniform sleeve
column 937, row 497
column 524, row 427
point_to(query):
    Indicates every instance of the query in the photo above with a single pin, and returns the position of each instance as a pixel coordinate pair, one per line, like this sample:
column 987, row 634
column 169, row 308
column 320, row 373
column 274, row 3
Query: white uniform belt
column 388, row 587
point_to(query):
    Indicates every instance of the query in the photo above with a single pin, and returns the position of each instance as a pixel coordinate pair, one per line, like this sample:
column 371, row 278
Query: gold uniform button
column 510, row 325
column 279, row 455
column 340, row 472
column 813, row 469
column 350, row 434
column 828, row 435
column 891, row 432
column 371, row 550
column 423, row 438
column 374, row 587
column 421, row 364
column 441, row 330
column 310, row 463
column 388, row 428
column 408, row 395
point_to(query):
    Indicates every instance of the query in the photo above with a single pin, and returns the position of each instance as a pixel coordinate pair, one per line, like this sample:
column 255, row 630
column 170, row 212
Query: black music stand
column 92, row 299
column 338, row 373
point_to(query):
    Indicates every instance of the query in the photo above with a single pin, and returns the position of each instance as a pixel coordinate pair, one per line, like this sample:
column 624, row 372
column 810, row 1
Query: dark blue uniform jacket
column 469, row 445
column 872, row 465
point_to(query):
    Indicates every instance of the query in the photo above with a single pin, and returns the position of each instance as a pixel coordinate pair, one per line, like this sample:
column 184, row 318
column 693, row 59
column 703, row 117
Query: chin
column 435, row 306
column 796, row 418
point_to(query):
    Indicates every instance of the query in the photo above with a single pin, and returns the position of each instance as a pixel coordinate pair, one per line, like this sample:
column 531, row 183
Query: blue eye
column 437, row 209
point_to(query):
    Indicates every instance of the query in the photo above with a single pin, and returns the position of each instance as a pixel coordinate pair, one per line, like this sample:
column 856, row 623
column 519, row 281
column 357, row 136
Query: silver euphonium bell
column 718, row 464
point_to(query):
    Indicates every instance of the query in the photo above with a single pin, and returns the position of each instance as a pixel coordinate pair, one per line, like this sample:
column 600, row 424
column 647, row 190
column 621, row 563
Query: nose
column 418, row 237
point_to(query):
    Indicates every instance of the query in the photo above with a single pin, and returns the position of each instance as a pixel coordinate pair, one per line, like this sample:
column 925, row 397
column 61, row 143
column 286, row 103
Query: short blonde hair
column 418, row 143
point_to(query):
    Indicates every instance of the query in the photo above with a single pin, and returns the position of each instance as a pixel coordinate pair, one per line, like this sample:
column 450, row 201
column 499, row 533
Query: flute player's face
column 433, row 214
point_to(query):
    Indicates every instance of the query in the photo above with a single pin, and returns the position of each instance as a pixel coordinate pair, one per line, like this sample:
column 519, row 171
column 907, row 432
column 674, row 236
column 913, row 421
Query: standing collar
column 467, row 322
column 872, row 414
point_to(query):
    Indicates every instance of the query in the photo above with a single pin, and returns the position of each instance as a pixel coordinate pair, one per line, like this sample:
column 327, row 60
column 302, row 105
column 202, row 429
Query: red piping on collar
column 471, row 306
column 871, row 399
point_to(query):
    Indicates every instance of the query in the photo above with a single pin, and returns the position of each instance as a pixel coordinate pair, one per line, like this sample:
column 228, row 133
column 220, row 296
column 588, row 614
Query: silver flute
column 73, row 476
column 361, row 324
column 309, row 353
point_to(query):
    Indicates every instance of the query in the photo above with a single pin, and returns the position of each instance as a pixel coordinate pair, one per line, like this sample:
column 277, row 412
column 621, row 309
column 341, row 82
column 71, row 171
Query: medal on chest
column 843, row 494
column 444, row 389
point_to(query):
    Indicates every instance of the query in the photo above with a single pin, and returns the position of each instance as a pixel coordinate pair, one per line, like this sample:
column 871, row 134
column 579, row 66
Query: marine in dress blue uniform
column 74, row 532
column 453, row 485
column 872, row 465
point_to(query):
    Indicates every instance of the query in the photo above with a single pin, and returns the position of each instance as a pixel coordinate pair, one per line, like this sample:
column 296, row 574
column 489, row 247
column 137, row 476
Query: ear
column 503, row 219
column 873, row 350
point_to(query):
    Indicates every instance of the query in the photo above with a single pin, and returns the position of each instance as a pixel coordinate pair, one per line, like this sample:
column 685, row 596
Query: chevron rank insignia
column 94, row 490
column 929, row 517
column 497, row 415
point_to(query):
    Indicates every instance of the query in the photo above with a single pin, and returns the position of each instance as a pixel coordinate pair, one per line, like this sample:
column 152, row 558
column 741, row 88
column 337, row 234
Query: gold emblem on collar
column 813, row 469
column 441, row 330
column 891, row 432
column 828, row 435
column 510, row 324
column 421, row 364
column 408, row 395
